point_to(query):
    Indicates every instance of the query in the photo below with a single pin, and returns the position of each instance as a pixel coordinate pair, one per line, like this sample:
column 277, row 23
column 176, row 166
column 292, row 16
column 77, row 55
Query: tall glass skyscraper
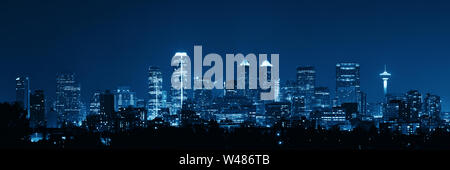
column 251, row 94
column 288, row 90
column 94, row 106
column 107, row 103
column 322, row 100
column 154, row 92
column 37, row 109
column 68, row 99
column 347, row 83
column 413, row 106
column 23, row 93
column 432, row 106
column 202, row 100
column 306, row 81
column 124, row 97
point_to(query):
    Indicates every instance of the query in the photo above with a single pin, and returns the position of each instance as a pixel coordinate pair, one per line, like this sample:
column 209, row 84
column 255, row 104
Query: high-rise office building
column 362, row 103
column 321, row 100
column 306, row 80
column 413, row 106
column 298, row 107
column 347, row 83
column 251, row 94
column 202, row 100
column 394, row 109
column 124, row 97
column 432, row 106
column 278, row 113
column 51, row 116
column 155, row 92
column 276, row 83
column 288, row 90
column 178, row 96
column 68, row 99
column 396, row 96
column 336, row 116
column 141, row 103
column 107, row 103
column 23, row 93
column 94, row 104
column 84, row 110
column 374, row 110
column 395, row 103
column 37, row 109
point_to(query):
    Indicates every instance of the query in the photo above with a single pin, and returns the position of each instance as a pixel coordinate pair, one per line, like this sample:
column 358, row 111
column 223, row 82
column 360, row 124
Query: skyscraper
column 374, row 110
column 124, row 97
column 362, row 103
column 202, row 100
column 278, row 113
column 252, row 94
column 155, row 92
column 51, row 116
column 432, row 106
column 94, row 106
column 68, row 99
column 322, row 100
column 413, row 106
column 394, row 109
column 23, row 93
column 288, row 90
column 178, row 96
column 298, row 107
column 306, row 81
column 107, row 103
column 268, row 66
column 37, row 109
column 347, row 83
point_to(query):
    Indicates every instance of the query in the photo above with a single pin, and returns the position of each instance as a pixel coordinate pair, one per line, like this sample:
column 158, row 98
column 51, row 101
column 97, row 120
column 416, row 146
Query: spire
column 385, row 74
column 266, row 63
column 245, row 63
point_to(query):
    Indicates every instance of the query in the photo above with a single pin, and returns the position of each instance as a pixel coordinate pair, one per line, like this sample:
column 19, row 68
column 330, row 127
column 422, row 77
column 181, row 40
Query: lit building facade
column 155, row 92
column 347, row 82
column 288, row 90
column 23, row 93
column 306, row 80
column 68, row 99
column 321, row 100
column 124, row 98
column 413, row 106
column 94, row 104
column 181, row 71
column 37, row 109
column 432, row 106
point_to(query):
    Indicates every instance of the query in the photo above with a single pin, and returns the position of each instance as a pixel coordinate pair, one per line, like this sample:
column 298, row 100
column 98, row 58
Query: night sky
column 112, row 43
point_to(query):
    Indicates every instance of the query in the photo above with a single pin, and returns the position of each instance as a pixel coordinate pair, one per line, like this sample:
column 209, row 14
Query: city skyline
column 224, row 83
column 113, row 43
column 333, row 92
column 292, row 101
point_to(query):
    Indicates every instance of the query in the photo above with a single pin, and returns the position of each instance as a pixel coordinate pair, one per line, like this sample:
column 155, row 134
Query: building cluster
column 299, row 102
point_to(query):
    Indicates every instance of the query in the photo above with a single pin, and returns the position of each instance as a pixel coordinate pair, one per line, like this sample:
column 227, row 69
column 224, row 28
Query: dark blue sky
column 112, row 43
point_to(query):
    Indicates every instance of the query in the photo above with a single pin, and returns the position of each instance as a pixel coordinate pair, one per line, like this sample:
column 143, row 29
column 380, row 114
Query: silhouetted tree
column 14, row 127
